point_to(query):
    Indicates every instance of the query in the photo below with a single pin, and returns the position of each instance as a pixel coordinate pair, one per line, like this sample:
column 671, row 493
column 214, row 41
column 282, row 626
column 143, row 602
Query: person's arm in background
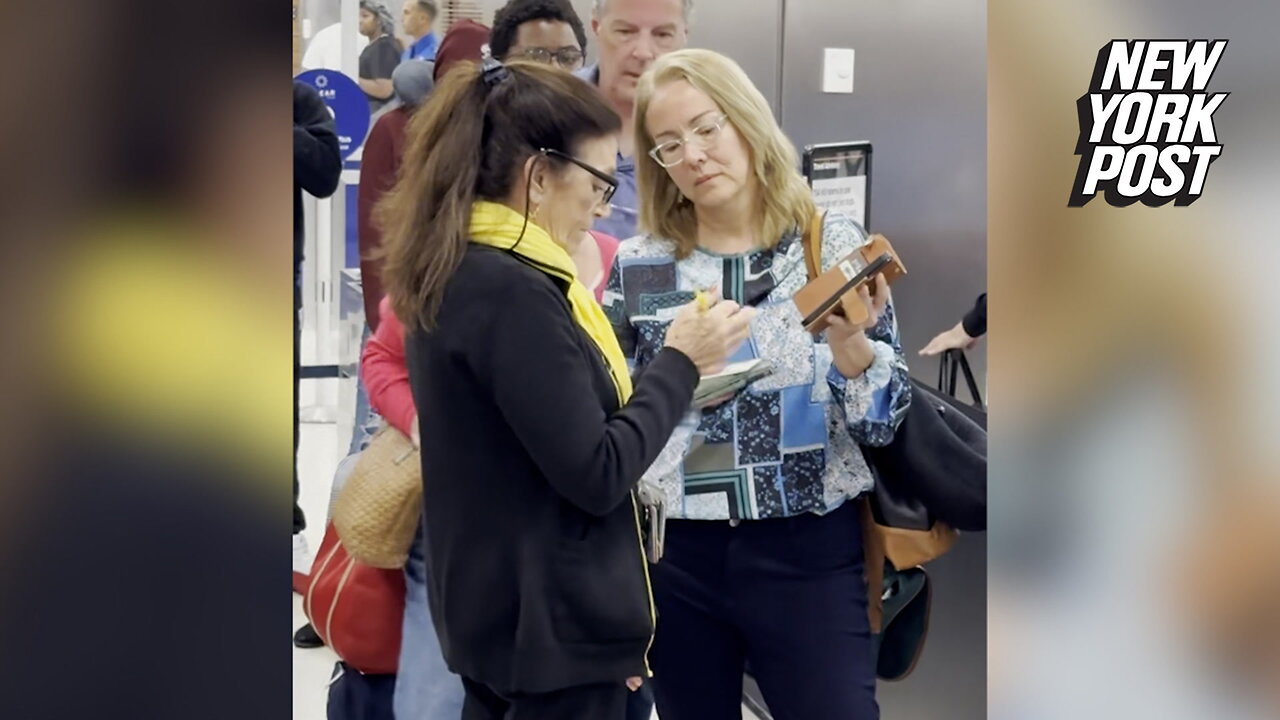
column 377, row 174
column 966, row 332
column 375, row 80
column 378, row 89
column 317, row 163
column 386, row 376
column 975, row 321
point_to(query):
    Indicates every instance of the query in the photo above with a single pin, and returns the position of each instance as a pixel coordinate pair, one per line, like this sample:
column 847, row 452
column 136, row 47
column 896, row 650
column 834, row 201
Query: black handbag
column 932, row 474
column 952, row 362
column 907, row 601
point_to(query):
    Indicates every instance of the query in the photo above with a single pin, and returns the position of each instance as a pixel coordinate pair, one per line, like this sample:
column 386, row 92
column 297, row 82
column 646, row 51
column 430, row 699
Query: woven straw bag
column 376, row 513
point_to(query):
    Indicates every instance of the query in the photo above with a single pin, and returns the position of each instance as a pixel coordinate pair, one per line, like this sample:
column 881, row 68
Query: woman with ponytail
column 533, row 434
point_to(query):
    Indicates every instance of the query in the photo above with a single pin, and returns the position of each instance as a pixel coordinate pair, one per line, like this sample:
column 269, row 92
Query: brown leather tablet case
column 834, row 290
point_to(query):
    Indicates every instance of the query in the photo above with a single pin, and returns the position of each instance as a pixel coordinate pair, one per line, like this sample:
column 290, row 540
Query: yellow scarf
column 498, row 226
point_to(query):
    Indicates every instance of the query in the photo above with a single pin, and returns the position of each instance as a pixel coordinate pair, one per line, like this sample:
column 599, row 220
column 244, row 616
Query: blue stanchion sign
column 347, row 102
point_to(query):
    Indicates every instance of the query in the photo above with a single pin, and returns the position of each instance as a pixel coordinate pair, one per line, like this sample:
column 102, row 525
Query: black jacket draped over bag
column 935, row 468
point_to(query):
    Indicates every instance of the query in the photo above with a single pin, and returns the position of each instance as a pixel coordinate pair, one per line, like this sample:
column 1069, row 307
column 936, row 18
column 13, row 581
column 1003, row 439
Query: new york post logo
column 1146, row 125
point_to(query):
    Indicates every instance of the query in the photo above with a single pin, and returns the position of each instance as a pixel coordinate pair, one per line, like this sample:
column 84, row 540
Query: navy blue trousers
column 786, row 596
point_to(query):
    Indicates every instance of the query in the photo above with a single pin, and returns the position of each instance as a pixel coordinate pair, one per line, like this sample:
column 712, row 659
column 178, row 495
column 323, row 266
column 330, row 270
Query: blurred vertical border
column 1134, row 477
column 145, row 275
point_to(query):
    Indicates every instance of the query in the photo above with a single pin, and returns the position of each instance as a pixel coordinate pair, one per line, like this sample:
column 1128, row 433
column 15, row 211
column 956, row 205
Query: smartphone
column 852, row 280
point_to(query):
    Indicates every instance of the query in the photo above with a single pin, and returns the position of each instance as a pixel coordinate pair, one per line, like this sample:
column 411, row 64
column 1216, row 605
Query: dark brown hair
column 467, row 143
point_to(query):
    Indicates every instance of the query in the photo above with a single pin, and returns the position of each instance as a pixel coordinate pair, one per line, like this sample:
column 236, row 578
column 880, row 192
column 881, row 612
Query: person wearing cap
column 466, row 40
column 412, row 81
column 419, row 16
column 381, row 56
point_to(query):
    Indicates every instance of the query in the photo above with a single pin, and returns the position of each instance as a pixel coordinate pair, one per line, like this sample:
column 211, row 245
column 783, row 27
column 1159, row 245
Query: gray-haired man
column 630, row 35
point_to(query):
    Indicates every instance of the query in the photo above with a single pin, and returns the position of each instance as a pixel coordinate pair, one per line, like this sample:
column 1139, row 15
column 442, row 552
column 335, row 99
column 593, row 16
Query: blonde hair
column 786, row 202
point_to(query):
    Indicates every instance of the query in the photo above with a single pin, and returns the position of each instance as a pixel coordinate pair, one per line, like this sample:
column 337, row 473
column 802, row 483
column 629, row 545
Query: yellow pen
column 704, row 300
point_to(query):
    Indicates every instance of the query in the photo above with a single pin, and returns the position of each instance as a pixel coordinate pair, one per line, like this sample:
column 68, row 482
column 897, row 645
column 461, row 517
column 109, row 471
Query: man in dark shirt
column 380, row 58
column 316, row 167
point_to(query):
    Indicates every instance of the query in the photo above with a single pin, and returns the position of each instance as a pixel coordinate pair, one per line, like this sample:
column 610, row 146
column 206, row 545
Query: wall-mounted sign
column 347, row 102
column 840, row 176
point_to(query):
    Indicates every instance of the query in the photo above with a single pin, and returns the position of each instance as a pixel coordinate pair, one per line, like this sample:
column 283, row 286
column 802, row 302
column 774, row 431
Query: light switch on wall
column 837, row 70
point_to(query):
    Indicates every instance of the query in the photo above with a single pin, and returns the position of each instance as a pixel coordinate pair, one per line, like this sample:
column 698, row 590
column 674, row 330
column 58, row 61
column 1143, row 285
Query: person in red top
column 464, row 41
column 385, row 375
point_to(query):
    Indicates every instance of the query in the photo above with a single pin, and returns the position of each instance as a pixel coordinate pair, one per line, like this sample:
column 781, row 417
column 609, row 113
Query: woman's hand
column 850, row 347
column 634, row 683
column 708, row 332
column 954, row 339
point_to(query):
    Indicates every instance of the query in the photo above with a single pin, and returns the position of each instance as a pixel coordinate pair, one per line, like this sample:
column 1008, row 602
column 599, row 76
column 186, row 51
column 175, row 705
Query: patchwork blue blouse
column 789, row 443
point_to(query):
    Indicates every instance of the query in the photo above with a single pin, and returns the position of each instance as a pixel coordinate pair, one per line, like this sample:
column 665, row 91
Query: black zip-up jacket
column 536, row 572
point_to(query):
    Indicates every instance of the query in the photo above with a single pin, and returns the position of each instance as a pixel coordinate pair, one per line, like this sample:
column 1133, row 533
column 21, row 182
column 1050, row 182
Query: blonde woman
column 763, row 562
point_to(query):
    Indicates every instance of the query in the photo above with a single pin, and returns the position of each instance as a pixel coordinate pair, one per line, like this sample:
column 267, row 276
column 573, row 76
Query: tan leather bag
column 903, row 547
column 377, row 510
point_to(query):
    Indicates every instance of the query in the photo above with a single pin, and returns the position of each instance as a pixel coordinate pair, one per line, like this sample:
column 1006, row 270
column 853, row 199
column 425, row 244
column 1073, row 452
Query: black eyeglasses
column 611, row 182
column 569, row 58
